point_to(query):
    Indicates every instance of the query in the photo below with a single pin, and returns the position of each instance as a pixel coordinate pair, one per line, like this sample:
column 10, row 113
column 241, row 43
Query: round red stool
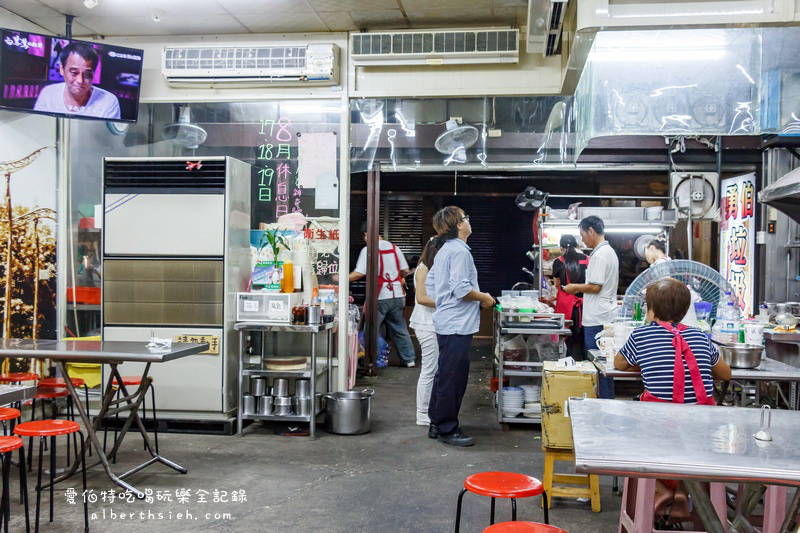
column 60, row 383
column 523, row 527
column 52, row 394
column 6, row 414
column 502, row 485
column 7, row 446
column 134, row 381
column 18, row 377
column 52, row 429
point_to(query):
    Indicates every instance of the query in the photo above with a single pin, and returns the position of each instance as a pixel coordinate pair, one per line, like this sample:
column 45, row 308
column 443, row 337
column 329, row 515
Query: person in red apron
column 392, row 270
column 678, row 365
column 571, row 268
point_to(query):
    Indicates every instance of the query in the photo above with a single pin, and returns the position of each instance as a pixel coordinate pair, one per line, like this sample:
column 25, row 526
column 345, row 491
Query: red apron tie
column 682, row 351
column 565, row 302
column 383, row 277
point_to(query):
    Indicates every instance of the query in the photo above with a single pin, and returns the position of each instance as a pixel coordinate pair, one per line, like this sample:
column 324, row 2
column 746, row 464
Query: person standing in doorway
column 600, row 289
column 422, row 323
column 453, row 284
column 392, row 269
column 570, row 267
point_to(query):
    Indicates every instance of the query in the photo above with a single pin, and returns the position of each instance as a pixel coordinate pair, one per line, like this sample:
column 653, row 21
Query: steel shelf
column 286, row 418
column 321, row 369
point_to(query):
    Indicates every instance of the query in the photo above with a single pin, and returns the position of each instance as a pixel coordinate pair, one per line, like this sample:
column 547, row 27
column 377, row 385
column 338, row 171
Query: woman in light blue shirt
column 453, row 284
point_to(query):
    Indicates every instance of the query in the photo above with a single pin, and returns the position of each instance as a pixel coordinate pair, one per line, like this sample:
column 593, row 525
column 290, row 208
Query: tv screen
column 68, row 77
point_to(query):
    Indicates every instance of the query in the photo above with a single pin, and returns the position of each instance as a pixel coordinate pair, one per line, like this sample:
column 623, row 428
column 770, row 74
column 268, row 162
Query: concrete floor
column 389, row 480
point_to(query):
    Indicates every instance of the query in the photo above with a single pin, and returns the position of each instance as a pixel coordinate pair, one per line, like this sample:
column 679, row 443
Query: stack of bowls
column 512, row 401
column 532, row 401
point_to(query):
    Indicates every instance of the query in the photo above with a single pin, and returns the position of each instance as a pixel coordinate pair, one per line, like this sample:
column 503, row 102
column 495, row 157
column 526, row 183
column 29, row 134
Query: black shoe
column 432, row 432
column 457, row 438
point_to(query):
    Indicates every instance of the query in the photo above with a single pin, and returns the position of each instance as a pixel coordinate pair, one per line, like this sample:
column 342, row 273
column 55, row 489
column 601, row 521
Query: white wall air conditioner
column 545, row 18
column 698, row 191
column 439, row 47
column 315, row 64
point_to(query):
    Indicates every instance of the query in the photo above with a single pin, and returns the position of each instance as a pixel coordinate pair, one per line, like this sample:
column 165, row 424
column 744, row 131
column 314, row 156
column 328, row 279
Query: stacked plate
column 531, row 395
column 513, row 398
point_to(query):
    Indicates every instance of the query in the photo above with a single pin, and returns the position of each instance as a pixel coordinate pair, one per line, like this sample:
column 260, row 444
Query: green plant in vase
column 269, row 273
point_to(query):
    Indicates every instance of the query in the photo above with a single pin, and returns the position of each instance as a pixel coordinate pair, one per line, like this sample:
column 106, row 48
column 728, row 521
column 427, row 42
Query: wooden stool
column 502, row 485
column 583, row 485
column 522, row 527
column 637, row 512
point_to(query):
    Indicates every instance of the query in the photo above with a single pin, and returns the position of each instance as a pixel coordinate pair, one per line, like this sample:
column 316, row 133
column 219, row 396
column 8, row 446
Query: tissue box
column 558, row 385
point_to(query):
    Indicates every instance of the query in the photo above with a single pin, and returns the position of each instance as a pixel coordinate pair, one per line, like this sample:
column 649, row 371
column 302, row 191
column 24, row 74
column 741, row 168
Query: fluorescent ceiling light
column 642, row 55
column 632, row 229
column 90, row 3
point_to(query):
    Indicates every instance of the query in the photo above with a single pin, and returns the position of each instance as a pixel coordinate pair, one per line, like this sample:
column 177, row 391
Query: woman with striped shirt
column 678, row 363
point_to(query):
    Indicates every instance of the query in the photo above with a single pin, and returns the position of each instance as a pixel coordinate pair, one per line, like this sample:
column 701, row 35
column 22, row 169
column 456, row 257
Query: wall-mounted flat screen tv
column 68, row 77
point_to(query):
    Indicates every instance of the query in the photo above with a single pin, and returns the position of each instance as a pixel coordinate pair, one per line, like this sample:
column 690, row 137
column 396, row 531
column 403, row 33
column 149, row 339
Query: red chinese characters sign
column 737, row 237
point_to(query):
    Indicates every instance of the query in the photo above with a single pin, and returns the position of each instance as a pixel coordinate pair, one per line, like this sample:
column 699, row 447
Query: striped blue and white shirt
column 650, row 348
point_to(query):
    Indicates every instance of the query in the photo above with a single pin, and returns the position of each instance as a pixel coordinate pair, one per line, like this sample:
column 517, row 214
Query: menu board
column 737, row 238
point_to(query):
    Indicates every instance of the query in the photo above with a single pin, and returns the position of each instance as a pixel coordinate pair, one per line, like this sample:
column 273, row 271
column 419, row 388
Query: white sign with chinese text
column 737, row 237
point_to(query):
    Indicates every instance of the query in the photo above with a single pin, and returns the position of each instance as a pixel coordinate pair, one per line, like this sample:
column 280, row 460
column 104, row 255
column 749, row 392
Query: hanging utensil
column 763, row 433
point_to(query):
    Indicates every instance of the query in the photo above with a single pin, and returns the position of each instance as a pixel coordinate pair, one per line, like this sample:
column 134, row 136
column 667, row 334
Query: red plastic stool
column 18, row 377
column 134, row 381
column 60, row 383
column 52, row 394
column 502, row 485
column 6, row 414
column 7, row 446
column 52, row 429
column 523, row 527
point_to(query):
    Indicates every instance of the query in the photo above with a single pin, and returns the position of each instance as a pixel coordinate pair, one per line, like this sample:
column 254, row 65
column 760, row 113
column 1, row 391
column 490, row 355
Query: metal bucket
column 348, row 412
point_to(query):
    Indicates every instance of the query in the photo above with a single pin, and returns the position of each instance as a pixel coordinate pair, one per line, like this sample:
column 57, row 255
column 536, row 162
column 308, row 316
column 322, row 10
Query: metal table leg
column 752, row 495
column 132, row 405
column 704, row 506
column 241, row 369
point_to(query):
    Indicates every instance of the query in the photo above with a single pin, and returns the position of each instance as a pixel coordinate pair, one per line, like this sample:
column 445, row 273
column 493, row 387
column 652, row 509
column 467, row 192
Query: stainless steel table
column 16, row 393
column 689, row 443
column 112, row 353
column 768, row 370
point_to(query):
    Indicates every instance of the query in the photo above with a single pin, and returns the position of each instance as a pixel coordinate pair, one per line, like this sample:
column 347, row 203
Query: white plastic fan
column 184, row 133
column 456, row 140
column 703, row 279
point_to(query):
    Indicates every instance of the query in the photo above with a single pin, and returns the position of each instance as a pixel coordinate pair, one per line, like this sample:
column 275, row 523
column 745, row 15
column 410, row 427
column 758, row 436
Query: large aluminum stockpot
column 739, row 355
column 348, row 412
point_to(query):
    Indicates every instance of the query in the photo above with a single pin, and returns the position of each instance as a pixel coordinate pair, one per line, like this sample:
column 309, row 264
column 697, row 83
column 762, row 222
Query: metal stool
column 6, row 414
column 134, row 381
column 53, row 428
column 59, row 383
column 523, row 527
column 502, row 485
column 52, row 394
column 7, row 446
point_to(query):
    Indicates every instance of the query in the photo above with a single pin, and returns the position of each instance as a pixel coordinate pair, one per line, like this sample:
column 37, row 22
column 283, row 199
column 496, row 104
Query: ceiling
column 214, row 17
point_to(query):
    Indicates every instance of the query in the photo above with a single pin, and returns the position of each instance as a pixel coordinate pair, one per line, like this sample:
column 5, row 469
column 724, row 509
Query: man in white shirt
column 600, row 289
column 76, row 95
column 392, row 269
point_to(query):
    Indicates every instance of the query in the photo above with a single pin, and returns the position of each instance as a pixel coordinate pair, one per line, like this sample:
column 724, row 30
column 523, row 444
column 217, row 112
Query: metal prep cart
column 312, row 370
column 510, row 323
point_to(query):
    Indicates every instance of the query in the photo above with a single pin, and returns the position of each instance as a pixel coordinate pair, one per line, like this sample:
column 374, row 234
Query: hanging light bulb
column 90, row 3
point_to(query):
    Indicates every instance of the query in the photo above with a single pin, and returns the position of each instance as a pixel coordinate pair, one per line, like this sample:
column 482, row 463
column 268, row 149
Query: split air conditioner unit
column 439, row 47
column 545, row 18
column 312, row 64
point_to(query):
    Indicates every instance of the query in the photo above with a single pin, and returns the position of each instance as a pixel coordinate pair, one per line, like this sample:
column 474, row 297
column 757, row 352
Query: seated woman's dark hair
column 669, row 299
column 446, row 221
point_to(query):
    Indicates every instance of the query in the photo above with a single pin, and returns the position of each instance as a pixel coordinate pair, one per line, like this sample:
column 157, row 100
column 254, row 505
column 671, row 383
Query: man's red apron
column 383, row 277
column 565, row 303
column 682, row 352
